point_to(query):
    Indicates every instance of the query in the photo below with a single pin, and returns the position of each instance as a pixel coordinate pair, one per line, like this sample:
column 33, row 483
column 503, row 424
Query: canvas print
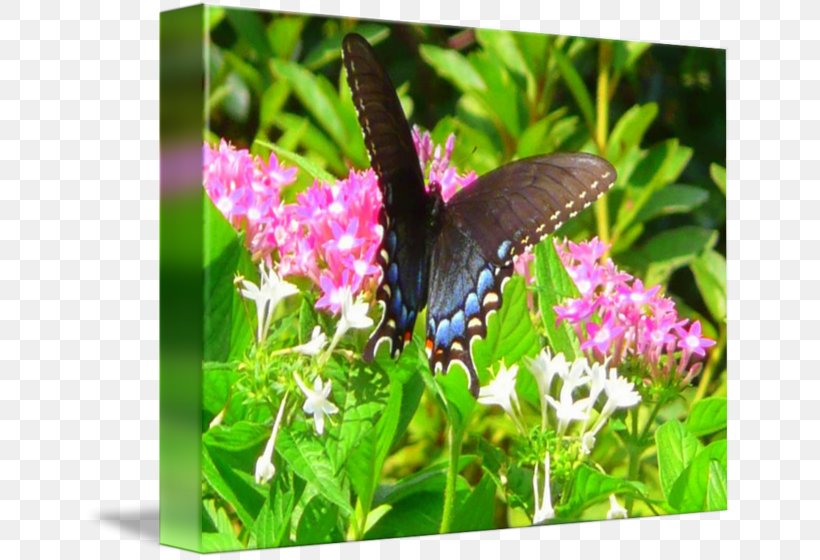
column 451, row 280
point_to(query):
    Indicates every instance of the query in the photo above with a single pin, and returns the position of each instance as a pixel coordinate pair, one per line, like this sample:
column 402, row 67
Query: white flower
column 616, row 510
column 575, row 376
column 318, row 340
column 316, row 403
column 501, row 392
column 568, row 410
column 544, row 368
column 587, row 443
column 264, row 464
column 354, row 316
column 266, row 296
column 620, row 394
column 543, row 506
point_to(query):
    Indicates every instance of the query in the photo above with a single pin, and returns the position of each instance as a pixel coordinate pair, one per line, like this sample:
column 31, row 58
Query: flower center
column 692, row 341
column 346, row 242
column 336, row 208
column 602, row 335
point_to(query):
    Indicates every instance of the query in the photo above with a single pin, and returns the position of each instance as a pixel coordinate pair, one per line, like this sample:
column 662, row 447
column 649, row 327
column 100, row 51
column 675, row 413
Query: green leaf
column 272, row 102
column 554, row 287
column 707, row 416
column 453, row 67
column 318, row 523
column 502, row 97
column 673, row 199
column 330, row 48
column 430, row 479
column 224, row 537
column 590, row 486
column 248, row 26
column 367, row 459
column 629, row 130
column 235, row 487
column 284, row 34
column 510, row 332
column 227, row 329
column 317, row 95
column 312, row 138
column 478, row 510
column 308, row 459
column 576, row 86
column 709, row 270
column 417, row 514
column 702, row 486
column 718, row 174
column 236, row 438
column 503, row 45
column 308, row 166
column 674, row 248
column 272, row 526
column 676, row 449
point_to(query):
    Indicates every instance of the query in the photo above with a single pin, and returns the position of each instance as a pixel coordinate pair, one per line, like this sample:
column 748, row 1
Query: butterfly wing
column 522, row 202
column 404, row 252
column 485, row 225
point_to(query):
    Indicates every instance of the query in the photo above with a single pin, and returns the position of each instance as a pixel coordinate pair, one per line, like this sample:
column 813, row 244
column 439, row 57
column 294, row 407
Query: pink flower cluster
column 617, row 316
column 331, row 233
column 437, row 165
column 245, row 188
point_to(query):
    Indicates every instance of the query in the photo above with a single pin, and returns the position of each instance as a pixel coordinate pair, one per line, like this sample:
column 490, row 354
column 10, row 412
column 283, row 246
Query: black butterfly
column 455, row 257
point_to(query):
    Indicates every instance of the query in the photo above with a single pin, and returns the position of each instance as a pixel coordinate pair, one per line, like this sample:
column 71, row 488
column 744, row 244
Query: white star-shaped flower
column 316, row 403
column 318, row 340
column 544, row 368
column 354, row 316
column 266, row 296
column 501, row 390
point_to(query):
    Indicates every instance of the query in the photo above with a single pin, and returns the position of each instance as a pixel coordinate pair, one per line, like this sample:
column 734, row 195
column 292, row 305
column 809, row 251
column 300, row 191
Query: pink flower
column 602, row 336
column 692, row 341
column 637, row 322
column 436, row 164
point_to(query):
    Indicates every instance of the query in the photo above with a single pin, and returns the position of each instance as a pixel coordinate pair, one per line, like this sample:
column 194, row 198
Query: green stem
column 711, row 365
column 601, row 131
column 635, row 451
column 648, row 425
column 454, row 443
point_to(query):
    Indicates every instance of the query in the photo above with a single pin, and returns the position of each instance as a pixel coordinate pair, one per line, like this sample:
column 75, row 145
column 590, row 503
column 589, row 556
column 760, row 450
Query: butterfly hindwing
column 403, row 255
column 522, row 202
column 486, row 224
column 464, row 289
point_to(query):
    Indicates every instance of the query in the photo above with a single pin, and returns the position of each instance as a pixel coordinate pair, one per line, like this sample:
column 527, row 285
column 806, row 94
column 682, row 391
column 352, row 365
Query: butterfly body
column 453, row 258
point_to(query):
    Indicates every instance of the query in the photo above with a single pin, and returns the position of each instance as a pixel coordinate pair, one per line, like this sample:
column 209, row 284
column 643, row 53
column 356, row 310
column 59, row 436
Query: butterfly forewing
column 404, row 252
column 522, row 202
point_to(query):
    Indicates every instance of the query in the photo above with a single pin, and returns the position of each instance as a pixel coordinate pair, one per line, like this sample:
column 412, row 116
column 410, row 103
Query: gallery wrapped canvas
column 420, row 279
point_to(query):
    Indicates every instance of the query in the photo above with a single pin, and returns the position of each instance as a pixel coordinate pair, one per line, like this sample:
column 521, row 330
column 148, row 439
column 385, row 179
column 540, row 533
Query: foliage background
column 276, row 79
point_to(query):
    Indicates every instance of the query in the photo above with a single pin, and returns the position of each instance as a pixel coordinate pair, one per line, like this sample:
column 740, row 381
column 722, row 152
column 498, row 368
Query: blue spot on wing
column 443, row 334
column 395, row 302
column 471, row 306
column 391, row 243
column 504, row 249
column 457, row 324
column 393, row 274
column 485, row 282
